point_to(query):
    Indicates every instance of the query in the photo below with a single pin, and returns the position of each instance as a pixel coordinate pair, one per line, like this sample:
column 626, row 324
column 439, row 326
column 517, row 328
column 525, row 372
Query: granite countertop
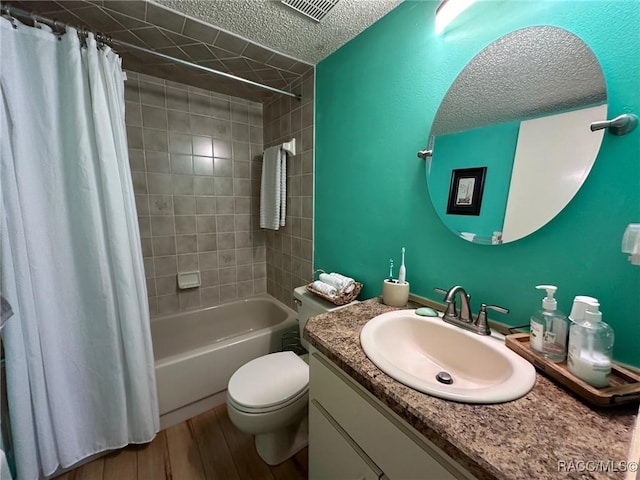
column 529, row 438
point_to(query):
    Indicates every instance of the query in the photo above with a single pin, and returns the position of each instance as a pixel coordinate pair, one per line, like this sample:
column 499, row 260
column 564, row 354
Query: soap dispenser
column 590, row 347
column 549, row 328
column 580, row 304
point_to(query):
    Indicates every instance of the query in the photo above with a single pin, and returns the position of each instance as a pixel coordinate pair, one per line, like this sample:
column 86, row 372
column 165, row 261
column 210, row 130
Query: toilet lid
column 269, row 380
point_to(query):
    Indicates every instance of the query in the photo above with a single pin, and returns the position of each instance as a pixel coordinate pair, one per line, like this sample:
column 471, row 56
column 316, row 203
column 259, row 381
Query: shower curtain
column 79, row 357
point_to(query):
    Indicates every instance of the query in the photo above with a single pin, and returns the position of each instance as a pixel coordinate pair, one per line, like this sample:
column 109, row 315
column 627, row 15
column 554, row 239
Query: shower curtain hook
column 7, row 10
column 35, row 21
column 57, row 29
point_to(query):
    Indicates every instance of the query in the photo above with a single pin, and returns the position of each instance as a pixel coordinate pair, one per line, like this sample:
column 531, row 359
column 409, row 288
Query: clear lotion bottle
column 590, row 347
column 549, row 328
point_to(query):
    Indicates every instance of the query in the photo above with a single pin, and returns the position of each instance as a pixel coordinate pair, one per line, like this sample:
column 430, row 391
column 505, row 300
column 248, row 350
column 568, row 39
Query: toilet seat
column 272, row 408
column 269, row 383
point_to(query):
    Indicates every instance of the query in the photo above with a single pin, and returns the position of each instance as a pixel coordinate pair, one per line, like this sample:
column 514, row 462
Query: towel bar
column 620, row 125
column 290, row 146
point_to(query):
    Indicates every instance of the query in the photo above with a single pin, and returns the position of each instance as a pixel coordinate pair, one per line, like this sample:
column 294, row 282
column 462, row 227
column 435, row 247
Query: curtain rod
column 13, row 11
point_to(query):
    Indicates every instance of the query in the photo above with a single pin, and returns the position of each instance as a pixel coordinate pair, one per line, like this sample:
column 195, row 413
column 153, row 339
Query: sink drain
column 444, row 377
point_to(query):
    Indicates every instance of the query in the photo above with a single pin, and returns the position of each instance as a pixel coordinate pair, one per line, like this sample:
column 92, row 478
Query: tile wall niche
column 290, row 249
column 191, row 154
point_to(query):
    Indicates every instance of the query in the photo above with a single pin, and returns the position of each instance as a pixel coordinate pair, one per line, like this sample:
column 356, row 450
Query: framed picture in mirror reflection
column 465, row 191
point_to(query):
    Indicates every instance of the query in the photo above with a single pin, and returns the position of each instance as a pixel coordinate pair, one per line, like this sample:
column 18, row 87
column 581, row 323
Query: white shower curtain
column 79, row 356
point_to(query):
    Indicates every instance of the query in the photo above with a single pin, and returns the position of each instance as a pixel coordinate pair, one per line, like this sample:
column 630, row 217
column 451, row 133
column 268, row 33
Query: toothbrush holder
column 395, row 294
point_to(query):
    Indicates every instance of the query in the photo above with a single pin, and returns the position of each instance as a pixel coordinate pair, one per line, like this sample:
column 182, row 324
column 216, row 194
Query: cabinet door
column 332, row 453
column 380, row 434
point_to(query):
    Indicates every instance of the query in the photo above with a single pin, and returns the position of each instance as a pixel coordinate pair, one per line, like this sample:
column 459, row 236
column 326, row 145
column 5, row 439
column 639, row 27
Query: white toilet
column 268, row 396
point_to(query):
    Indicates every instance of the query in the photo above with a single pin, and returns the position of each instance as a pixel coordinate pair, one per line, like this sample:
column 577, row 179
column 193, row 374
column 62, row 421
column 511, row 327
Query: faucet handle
column 481, row 320
column 440, row 290
column 495, row 308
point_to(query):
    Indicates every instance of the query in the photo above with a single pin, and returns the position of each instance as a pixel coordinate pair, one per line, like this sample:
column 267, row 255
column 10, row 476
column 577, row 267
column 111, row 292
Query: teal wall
column 494, row 147
column 375, row 100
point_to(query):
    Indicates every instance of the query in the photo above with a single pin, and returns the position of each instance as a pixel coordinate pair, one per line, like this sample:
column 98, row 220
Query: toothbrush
column 390, row 270
column 402, row 273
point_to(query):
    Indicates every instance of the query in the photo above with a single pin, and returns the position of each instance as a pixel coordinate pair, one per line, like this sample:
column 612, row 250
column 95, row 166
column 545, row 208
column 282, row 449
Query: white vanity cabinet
column 336, row 455
column 352, row 435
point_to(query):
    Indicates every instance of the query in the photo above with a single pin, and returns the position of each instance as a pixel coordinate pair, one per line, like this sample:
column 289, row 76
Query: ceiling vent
column 314, row 9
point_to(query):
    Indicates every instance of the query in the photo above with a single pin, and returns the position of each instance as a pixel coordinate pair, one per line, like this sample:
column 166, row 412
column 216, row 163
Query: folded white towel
column 468, row 236
column 273, row 189
column 325, row 288
column 340, row 282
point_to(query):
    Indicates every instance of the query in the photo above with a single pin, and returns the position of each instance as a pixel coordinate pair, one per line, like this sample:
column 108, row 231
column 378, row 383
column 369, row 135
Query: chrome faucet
column 464, row 319
column 451, row 312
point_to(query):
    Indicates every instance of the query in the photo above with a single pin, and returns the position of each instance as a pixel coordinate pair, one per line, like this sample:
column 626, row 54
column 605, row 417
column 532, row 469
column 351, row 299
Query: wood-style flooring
column 207, row 447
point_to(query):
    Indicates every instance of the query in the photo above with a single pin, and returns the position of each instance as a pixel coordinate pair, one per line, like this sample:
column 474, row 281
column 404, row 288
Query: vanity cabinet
column 352, row 435
column 338, row 455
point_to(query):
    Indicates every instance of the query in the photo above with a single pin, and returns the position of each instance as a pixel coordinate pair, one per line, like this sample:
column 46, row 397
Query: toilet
column 268, row 396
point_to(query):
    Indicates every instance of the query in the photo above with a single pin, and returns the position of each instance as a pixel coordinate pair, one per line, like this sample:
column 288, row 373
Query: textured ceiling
column 272, row 24
column 172, row 33
column 257, row 40
column 532, row 72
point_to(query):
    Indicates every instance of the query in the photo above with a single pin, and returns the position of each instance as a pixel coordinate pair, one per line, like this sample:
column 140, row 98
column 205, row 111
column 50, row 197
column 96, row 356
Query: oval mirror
column 510, row 143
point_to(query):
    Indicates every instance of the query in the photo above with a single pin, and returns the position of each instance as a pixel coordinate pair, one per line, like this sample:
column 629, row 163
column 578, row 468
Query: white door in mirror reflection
column 553, row 159
column 534, row 169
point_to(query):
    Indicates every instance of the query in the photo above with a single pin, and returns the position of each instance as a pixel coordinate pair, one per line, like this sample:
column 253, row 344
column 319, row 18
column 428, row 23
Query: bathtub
column 196, row 352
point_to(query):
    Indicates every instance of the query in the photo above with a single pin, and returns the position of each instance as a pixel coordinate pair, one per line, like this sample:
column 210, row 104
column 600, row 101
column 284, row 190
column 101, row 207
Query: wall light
column 448, row 10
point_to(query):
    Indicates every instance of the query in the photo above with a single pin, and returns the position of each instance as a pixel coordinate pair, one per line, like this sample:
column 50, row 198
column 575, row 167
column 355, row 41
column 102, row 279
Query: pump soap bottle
column 590, row 347
column 549, row 328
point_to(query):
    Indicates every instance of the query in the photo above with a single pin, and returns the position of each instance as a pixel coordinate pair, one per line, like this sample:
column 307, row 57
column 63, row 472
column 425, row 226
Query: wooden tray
column 624, row 386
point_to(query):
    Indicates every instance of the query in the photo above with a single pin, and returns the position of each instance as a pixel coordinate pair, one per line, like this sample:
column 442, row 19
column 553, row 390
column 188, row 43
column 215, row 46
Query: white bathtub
column 196, row 352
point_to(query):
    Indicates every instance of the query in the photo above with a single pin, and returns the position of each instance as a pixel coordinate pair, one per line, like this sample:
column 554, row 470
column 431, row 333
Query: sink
column 416, row 351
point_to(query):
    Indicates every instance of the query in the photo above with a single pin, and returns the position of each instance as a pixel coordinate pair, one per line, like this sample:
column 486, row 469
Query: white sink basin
column 413, row 350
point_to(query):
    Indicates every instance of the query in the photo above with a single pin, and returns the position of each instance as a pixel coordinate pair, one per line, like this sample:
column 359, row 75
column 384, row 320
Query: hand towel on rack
column 283, row 187
column 271, row 189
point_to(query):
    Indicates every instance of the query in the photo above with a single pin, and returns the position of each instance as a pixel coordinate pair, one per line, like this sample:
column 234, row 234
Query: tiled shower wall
column 290, row 249
column 196, row 189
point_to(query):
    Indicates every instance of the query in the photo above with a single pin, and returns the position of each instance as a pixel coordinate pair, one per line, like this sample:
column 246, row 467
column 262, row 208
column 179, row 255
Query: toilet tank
column 309, row 305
